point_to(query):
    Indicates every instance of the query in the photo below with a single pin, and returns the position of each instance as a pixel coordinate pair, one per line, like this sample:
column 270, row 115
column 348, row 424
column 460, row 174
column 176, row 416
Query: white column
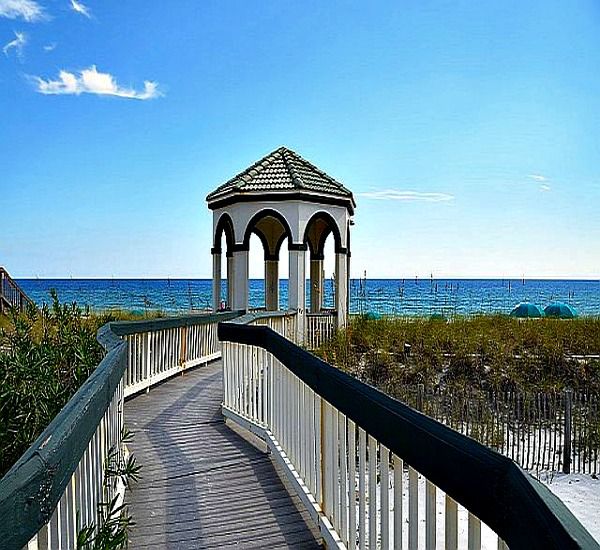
column 348, row 284
column 341, row 288
column 271, row 285
column 316, row 285
column 230, row 283
column 216, row 281
column 297, row 290
column 240, row 280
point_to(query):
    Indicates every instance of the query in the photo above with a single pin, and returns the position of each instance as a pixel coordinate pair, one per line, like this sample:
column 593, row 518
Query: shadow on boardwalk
column 203, row 485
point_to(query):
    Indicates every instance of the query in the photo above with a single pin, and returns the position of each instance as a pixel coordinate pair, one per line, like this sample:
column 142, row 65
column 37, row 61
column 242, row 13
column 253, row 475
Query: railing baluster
column 327, row 473
column 385, row 495
column 372, row 492
column 335, row 468
column 398, row 485
column 413, row 509
column 352, row 484
column 474, row 533
column 319, row 451
column 430, row 515
column 451, row 524
column 343, row 477
column 362, row 489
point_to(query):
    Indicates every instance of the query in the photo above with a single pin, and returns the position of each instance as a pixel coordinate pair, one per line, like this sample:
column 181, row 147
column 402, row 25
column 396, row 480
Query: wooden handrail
column 492, row 488
column 139, row 354
column 11, row 294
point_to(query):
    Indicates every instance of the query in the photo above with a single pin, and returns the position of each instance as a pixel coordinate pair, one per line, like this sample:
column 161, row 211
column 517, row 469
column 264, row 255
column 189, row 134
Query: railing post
column 568, row 394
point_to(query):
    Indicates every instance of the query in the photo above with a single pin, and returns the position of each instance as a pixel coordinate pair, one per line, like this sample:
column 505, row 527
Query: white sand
column 581, row 494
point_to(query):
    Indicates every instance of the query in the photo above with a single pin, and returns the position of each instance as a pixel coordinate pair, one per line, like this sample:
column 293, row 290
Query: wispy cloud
column 50, row 47
column 29, row 10
column 90, row 81
column 80, row 8
column 18, row 44
column 542, row 181
column 399, row 195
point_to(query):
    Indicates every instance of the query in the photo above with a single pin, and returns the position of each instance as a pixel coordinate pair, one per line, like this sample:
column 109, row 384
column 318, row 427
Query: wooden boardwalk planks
column 203, row 484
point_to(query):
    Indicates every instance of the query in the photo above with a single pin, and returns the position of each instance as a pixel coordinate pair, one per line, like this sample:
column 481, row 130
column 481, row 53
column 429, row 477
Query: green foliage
column 489, row 352
column 110, row 531
column 45, row 356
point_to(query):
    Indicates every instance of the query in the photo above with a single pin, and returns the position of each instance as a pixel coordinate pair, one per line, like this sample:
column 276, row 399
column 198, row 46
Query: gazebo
column 282, row 196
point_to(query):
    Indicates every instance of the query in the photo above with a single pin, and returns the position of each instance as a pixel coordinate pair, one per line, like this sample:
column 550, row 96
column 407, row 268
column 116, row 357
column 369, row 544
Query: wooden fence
column 558, row 431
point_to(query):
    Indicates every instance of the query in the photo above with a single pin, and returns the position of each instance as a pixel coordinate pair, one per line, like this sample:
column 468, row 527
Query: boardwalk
column 205, row 486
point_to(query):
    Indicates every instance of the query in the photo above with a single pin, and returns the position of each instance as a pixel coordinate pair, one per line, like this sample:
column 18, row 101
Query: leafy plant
column 45, row 356
column 110, row 531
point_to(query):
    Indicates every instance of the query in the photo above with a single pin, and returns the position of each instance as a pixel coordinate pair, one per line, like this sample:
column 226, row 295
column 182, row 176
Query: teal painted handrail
column 32, row 488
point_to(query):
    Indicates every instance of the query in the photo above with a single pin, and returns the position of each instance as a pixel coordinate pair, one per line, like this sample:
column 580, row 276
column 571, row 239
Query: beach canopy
column 437, row 317
column 371, row 316
column 527, row 310
column 560, row 310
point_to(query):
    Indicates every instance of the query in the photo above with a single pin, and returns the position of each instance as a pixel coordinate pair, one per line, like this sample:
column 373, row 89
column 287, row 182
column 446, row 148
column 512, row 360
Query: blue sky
column 469, row 131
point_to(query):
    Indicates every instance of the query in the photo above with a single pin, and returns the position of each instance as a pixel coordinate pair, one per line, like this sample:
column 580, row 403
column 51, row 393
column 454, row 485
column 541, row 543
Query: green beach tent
column 527, row 310
column 371, row 316
column 560, row 310
column 437, row 317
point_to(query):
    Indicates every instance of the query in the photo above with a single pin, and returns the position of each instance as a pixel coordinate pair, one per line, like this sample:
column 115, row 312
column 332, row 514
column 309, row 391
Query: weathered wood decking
column 204, row 485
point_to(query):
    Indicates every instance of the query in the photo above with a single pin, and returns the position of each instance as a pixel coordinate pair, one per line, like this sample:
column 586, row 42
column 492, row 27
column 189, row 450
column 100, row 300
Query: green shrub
column 45, row 356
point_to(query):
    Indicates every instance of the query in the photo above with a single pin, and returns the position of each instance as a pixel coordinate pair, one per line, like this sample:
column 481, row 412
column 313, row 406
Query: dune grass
column 488, row 352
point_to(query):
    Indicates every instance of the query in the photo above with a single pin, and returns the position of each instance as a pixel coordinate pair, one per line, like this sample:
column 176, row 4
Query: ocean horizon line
column 410, row 278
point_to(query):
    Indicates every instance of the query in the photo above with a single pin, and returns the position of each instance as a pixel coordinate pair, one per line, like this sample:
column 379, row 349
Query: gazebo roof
column 281, row 175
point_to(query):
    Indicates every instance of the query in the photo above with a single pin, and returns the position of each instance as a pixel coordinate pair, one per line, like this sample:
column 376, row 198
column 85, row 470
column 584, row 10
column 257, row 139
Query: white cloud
column 29, row 10
column 50, row 47
column 90, row 81
column 81, row 8
column 545, row 187
column 398, row 195
column 537, row 177
column 17, row 44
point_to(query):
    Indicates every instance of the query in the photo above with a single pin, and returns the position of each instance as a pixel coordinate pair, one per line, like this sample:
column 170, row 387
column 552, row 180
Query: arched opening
column 269, row 228
column 224, row 239
column 322, row 233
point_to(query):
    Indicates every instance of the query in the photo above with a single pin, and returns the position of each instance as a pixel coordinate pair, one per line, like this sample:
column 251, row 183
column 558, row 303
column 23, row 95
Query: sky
column 469, row 132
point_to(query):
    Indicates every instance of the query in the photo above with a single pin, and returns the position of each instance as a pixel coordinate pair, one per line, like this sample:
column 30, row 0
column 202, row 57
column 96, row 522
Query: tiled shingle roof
column 280, row 171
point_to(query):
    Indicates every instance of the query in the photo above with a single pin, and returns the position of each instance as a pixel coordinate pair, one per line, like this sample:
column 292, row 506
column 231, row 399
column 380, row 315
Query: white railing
column 156, row 353
column 320, row 327
column 69, row 459
column 87, row 487
column 282, row 322
column 359, row 493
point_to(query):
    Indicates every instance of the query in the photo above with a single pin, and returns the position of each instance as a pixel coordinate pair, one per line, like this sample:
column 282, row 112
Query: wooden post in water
column 568, row 425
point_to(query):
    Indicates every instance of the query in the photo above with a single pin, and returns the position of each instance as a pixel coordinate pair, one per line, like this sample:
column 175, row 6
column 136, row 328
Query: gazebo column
column 216, row 281
column 341, row 288
column 297, row 288
column 316, row 284
column 240, row 280
column 271, row 285
column 230, row 270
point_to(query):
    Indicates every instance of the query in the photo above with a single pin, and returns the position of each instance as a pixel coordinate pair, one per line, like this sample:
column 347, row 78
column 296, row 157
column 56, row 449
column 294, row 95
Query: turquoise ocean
column 385, row 296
